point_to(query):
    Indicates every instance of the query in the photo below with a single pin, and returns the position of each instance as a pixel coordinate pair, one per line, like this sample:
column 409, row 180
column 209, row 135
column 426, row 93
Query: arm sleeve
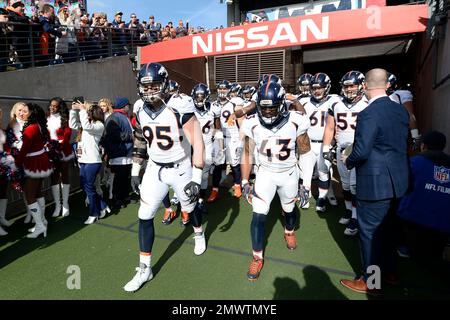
column 140, row 144
column 95, row 128
column 365, row 134
column 74, row 119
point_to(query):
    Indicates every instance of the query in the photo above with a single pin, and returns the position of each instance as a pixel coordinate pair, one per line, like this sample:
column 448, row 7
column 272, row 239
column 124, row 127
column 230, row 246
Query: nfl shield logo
column 441, row 174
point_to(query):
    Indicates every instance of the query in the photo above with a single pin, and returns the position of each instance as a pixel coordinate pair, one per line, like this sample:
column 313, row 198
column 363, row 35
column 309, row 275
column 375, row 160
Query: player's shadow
column 317, row 286
column 276, row 214
column 349, row 245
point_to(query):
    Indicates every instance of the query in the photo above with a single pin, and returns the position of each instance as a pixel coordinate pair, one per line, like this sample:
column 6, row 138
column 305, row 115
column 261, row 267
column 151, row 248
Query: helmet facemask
column 200, row 100
column 151, row 92
column 222, row 92
column 318, row 92
column 269, row 112
column 351, row 91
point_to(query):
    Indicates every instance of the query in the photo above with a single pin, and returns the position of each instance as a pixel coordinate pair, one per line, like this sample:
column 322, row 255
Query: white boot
column 41, row 203
column 3, row 221
column 37, row 215
column 3, row 232
column 29, row 217
column 65, row 196
column 57, row 197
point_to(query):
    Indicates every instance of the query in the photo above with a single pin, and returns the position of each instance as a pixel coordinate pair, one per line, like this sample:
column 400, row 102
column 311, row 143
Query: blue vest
column 429, row 202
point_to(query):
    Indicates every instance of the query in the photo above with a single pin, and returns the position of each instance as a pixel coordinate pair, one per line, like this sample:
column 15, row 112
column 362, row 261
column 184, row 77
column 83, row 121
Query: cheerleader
column 18, row 114
column 58, row 126
column 36, row 164
column 3, row 182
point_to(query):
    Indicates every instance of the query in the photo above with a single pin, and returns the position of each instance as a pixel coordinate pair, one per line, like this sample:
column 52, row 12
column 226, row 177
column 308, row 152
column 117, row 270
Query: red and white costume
column 33, row 156
column 60, row 134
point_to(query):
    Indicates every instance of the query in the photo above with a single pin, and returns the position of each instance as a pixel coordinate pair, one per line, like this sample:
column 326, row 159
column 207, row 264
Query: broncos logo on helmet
column 223, row 89
column 270, row 104
column 392, row 80
column 320, row 86
column 200, row 95
column 247, row 92
column 235, row 89
column 173, row 87
column 352, row 86
column 152, row 82
column 304, row 82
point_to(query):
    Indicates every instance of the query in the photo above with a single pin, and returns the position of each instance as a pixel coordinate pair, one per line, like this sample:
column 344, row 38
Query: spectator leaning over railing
column 66, row 47
column 5, row 32
column 83, row 34
column 181, row 30
column 135, row 29
column 48, row 34
column 21, row 32
column 153, row 29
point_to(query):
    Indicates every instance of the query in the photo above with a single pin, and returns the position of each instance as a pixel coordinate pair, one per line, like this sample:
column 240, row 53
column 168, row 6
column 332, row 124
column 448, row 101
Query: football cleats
column 235, row 89
column 271, row 108
column 223, row 89
column 173, row 87
column 320, row 86
column 304, row 82
column 247, row 92
column 200, row 95
column 392, row 80
column 352, row 86
column 152, row 82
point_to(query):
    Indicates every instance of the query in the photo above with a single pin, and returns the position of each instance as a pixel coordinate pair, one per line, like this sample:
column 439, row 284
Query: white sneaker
column 200, row 243
column 91, row 220
column 144, row 274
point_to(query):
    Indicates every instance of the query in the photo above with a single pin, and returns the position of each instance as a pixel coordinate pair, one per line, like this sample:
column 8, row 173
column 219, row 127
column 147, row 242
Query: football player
column 207, row 115
column 405, row 98
column 167, row 129
column 235, row 90
column 247, row 92
column 316, row 109
column 276, row 132
column 230, row 128
column 174, row 87
column 342, row 119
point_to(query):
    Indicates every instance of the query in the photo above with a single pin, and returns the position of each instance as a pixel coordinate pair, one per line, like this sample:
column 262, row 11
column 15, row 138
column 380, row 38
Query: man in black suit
column 382, row 173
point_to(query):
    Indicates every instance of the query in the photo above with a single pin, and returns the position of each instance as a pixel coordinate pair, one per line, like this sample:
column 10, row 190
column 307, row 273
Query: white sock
column 323, row 193
column 198, row 229
column 145, row 259
column 258, row 254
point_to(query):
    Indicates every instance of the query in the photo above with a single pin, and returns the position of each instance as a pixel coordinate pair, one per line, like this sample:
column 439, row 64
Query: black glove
column 247, row 192
column 135, row 184
column 302, row 196
column 192, row 190
column 416, row 142
column 328, row 155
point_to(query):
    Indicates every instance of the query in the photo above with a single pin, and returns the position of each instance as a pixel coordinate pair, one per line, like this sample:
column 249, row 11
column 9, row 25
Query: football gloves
column 192, row 191
column 247, row 192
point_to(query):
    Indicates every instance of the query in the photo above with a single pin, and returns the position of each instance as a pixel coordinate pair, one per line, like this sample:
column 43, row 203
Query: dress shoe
column 359, row 285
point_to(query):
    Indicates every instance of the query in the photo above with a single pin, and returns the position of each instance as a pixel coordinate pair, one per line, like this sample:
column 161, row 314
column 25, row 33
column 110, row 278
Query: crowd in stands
column 55, row 35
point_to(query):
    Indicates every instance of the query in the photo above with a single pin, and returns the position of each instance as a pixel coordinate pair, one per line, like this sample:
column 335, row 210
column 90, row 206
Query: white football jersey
column 345, row 115
column 317, row 113
column 166, row 141
column 226, row 110
column 277, row 146
column 206, row 119
column 401, row 96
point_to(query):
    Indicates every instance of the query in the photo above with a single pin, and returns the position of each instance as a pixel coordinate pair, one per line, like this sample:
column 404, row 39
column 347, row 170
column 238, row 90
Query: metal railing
column 24, row 45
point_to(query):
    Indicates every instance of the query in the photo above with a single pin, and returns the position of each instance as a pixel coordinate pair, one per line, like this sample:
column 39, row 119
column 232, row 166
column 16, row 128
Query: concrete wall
column 432, row 106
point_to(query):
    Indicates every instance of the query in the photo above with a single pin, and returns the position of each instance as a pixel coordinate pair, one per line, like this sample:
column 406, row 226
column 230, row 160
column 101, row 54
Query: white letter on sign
column 289, row 34
column 198, row 41
column 263, row 38
column 240, row 42
column 308, row 24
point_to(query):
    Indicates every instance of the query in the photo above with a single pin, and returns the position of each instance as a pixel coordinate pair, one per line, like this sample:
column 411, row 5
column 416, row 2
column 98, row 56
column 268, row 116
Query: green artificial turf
column 107, row 254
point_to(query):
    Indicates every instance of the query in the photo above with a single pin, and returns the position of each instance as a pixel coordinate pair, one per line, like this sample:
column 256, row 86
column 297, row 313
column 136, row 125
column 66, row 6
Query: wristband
column 197, row 175
column 244, row 182
column 325, row 148
column 415, row 133
column 218, row 134
column 135, row 169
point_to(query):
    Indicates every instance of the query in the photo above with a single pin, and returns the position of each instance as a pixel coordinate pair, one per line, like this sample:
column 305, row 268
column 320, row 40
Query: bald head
column 376, row 83
column 376, row 78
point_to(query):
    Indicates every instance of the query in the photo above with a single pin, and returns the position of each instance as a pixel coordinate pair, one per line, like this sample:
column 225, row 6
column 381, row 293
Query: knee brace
column 146, row 235
column 257, row 230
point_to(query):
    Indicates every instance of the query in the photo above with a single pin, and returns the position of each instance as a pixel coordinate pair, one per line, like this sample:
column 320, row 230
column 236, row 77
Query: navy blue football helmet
column 152, row 82
column 348, row 81
column 235, row 89
column 270, row 104
column 173, row 87
column 247, row 92
column 320, row 86
column 392, row 80
column 200, row 95
column 223, row 89
column 304, row 82
column 273, row 78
